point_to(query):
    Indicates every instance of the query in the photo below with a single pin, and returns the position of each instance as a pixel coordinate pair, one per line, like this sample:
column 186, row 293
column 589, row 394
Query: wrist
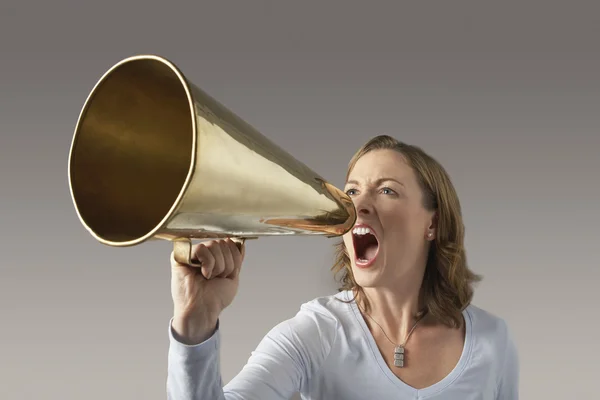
column 193, row 330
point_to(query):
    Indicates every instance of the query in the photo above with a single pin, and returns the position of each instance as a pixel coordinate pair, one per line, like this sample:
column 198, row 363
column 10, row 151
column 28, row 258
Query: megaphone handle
column 182, row 250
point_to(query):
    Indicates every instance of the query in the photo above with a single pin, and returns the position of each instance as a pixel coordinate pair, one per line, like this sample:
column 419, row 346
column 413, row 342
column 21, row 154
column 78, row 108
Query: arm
column 281, row 365
column 508, row 385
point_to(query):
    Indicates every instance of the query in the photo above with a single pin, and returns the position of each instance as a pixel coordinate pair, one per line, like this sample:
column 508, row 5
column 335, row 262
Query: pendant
column 399, row 356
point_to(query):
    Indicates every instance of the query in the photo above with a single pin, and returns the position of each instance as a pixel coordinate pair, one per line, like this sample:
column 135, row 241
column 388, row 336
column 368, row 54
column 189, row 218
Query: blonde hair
column 447, row 286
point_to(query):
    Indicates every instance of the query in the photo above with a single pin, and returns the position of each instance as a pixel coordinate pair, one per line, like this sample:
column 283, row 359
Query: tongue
column 370, row 251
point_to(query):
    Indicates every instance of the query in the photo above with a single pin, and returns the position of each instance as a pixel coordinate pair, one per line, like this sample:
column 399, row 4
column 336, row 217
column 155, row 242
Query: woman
column 402, row 325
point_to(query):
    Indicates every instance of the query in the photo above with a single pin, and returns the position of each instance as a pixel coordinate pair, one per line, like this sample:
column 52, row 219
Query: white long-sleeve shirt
column 326, row 352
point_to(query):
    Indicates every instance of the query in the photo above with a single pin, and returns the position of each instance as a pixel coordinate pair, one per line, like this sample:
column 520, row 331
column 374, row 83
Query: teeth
column 361, row 230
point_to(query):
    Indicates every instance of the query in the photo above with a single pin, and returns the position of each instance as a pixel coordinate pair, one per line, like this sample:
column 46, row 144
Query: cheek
column 401, row 222
column 393, row 217
column 348, row 242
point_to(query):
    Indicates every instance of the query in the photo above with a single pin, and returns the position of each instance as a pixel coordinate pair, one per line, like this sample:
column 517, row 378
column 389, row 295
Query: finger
column 241, row 247
column 228, row 260
column 237, row 255
column 238, row 249
column 177, row 264
column 174, row 262
column 206, row 258
column 217, row 252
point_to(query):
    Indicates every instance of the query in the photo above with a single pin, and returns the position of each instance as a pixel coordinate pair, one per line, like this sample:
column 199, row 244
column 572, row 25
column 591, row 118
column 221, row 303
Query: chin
column 366, row 278
column 368, row 272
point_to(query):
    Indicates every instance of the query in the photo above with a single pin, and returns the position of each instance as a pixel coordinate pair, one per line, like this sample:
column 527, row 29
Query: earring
column 429, row 234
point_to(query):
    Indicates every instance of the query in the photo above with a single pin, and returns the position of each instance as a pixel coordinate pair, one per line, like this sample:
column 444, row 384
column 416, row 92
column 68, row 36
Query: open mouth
column 366, row 245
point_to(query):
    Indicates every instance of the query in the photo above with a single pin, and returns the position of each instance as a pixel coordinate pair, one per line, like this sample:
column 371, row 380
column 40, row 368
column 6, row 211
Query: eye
column 350, row 192
column 387, row 190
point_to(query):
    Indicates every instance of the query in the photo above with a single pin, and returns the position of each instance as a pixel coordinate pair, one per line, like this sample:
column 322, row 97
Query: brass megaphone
column 155, row 157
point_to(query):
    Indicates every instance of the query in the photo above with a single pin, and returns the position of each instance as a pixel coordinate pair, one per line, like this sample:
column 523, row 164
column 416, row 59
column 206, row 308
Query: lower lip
column 367, row 264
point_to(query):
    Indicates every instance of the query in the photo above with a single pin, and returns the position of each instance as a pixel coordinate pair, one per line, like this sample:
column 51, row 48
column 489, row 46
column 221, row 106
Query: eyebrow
column 377, row 182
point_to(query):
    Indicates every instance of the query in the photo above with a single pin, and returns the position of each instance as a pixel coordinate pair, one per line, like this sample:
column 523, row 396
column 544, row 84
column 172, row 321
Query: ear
column 431, row 232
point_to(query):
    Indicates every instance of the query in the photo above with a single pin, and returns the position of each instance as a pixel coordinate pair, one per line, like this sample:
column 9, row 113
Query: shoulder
column 324, row 313
column 335, row 306
column 319, row 319
column 492, row 334
column 310, row 333
column 487, row 325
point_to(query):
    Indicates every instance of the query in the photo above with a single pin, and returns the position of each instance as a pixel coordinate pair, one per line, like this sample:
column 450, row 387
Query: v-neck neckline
column 429, row 390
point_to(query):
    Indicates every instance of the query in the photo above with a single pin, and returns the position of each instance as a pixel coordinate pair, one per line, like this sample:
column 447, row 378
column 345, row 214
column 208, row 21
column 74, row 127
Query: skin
column 388, row 198
column 201, row 294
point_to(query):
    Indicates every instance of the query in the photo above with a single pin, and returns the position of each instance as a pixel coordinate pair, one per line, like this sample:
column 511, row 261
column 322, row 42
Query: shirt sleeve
column 508, row 387
column 281, row 365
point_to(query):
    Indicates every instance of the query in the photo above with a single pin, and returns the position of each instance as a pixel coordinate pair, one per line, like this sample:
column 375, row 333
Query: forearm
column 194, row 371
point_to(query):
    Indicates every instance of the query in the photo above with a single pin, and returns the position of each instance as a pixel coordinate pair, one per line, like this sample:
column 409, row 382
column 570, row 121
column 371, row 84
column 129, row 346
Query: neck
column 395, row 307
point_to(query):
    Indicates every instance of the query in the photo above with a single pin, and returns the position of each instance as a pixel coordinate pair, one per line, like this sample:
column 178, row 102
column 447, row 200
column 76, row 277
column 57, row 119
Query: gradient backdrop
column 505, row 96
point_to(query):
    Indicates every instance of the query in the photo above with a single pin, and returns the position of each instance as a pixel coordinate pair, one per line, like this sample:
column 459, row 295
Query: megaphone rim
column 193, row 159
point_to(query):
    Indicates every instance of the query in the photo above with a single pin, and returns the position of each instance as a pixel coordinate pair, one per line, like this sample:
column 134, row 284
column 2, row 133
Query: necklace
column 399, row 349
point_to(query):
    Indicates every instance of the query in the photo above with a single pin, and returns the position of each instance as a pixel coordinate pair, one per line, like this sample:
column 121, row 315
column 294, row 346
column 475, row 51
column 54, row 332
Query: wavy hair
column 447, row 286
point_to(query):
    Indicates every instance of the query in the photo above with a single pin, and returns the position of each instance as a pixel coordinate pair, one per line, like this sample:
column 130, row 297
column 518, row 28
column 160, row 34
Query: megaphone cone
column 155, row 157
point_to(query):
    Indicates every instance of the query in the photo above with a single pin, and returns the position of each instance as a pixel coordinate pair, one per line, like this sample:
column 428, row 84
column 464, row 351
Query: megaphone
column 155, row 157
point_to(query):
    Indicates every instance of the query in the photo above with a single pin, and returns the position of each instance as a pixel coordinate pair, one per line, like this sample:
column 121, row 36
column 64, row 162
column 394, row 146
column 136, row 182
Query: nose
column 363, row 205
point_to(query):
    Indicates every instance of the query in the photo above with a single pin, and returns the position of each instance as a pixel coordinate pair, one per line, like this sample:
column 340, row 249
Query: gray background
column 505, row 96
